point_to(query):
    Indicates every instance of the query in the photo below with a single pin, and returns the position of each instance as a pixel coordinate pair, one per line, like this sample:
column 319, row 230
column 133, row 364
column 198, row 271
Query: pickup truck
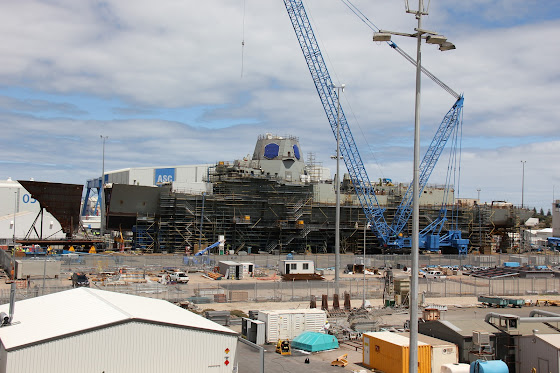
column 179, row 277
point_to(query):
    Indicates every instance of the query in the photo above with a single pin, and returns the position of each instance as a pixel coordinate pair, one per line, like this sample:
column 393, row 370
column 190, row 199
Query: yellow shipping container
column 388, row 352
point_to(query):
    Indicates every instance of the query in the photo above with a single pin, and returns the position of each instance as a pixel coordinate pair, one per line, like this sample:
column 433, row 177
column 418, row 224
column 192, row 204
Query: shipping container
column 388, row 352
column 231, row 270
column 37, row 268
column 288, row 324
column 442, row 352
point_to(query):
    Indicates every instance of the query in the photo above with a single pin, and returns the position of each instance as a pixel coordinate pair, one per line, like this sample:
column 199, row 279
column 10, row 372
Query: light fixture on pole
column 339, row 89
column 102, row 194
column 366, row 227
column 432, row 38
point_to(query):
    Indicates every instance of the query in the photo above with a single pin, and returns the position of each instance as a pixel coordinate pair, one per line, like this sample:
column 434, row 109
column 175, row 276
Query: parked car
column 179, row 277
column 435, row 275
column 79, row 280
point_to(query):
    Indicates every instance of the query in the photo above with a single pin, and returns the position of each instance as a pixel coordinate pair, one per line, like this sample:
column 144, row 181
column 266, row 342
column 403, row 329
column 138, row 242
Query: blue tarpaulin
column 313, row 341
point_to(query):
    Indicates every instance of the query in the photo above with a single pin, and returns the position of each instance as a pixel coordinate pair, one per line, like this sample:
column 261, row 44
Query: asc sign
column 164, row 175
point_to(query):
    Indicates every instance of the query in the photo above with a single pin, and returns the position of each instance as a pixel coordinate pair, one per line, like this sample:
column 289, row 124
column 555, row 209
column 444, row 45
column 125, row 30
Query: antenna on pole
column 422, row 9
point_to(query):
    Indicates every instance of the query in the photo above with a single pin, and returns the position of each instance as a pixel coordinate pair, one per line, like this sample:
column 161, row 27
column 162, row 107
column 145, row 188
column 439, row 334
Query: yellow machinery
column 340, row 361
column 283, row 347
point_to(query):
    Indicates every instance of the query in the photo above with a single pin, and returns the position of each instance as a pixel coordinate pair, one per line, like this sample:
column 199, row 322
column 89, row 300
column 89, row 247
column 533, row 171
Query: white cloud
column 146, row 58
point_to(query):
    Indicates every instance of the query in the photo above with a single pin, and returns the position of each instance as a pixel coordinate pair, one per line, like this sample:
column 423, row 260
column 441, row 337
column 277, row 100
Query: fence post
column 475, row 288
column 292, row 289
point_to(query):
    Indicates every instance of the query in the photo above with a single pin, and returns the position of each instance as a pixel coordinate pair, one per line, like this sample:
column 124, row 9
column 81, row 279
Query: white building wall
column 189, row 178
column 133, row 347
column 533, row 352
column 118, row 177
column 556, row 218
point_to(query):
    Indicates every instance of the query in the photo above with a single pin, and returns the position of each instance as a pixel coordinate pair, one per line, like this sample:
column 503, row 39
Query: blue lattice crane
column 388, row 235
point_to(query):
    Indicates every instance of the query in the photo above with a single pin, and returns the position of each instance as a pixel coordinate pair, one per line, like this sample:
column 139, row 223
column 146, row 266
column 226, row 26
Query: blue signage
column 164, row 175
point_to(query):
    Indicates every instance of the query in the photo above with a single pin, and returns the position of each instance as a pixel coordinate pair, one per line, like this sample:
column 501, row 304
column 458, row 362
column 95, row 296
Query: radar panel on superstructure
column 271, row 151
column 296, row 152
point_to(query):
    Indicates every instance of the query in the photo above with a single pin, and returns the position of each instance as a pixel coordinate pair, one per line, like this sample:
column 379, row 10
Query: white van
column 435, row 275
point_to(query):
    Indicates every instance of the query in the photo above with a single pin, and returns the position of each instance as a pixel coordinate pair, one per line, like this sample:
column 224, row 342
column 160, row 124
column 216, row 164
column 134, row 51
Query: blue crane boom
column 324, row 85
column 387, row 235
column 428, row 163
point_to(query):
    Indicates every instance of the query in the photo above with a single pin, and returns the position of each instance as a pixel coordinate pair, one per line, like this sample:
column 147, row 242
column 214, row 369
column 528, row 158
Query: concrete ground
column 465, row 307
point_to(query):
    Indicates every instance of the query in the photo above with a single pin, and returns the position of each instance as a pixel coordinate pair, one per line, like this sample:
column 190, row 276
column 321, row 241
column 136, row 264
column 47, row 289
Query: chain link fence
column 262, row 290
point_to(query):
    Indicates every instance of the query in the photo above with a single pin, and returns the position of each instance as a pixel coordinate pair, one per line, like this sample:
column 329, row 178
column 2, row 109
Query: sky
column 196, row 82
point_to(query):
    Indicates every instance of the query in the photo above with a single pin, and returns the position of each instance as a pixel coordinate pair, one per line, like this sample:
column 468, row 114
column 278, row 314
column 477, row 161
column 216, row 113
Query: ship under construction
column 276, row 202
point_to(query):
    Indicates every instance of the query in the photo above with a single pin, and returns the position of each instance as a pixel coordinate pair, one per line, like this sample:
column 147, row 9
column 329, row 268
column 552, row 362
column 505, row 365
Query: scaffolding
column 263, row 214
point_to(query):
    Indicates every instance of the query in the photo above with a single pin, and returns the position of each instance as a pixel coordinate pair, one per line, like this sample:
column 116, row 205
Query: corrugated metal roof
column 551, row 339
column 393, row 338
column 73, row 311
column 465, row 327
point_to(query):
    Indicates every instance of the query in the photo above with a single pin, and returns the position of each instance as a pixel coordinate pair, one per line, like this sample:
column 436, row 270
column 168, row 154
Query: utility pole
column 102, row 194
column 337, row 186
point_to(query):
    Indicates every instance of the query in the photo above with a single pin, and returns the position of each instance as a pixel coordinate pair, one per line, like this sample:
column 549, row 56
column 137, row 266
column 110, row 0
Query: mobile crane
column 388, row 235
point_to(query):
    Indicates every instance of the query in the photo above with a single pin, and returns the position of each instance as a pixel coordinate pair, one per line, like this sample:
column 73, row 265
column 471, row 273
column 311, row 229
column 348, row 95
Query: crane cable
column 393, row 45
column 243, row 38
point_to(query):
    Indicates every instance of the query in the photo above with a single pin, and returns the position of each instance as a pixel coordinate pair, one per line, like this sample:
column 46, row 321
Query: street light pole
column 444, row 45
column 366, row 226
column 102, row 193
column 523, row 183
column 413, row 305
column 337, row 188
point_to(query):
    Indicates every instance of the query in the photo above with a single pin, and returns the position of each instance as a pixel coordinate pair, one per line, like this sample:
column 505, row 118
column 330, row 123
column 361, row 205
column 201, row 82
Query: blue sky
column 170, row 84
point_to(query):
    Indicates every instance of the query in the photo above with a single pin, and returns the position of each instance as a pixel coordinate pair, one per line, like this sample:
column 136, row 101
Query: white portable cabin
column 296, row 266
column 231, row 270
column 248, row 269
column 288, row 324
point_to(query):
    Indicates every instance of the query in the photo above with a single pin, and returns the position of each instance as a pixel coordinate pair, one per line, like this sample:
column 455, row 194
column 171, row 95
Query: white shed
column 89, row 330
column 288, row 324
column 539, row 351
column 248, row 268
column 294, row 266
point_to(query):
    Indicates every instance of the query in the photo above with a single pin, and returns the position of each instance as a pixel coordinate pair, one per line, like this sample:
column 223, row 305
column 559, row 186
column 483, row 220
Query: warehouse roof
column 70, row 312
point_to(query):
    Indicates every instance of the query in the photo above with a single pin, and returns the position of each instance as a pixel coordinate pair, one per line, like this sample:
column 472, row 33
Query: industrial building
column 274, row 202
column 87, row 330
